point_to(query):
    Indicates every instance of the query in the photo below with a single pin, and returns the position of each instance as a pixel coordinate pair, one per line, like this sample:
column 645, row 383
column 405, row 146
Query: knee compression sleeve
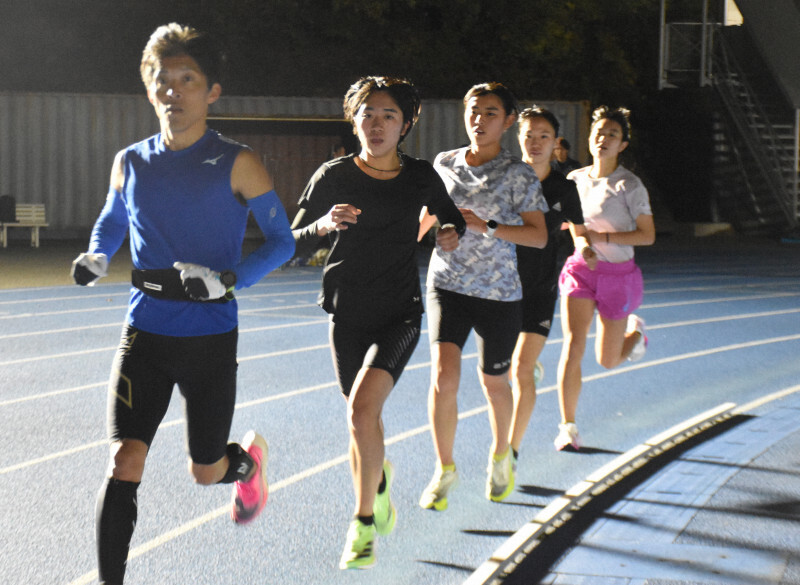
column 117, row 510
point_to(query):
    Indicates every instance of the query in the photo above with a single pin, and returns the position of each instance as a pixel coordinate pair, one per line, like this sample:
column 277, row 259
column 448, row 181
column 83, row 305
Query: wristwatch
column 491, row 227
column 228, row 279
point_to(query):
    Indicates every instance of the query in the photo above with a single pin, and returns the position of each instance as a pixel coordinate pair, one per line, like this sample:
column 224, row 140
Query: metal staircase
column 755, row 171
column 755, row 124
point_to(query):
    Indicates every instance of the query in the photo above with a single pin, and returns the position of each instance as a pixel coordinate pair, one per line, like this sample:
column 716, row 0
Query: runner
column 184, row 196
column 604, row 278
column 539, row 269
column 477, row 286
column 369, row 205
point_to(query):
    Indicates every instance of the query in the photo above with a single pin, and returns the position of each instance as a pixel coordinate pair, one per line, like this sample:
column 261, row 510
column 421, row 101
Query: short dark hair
column 401, row 91
column 174, row 40
column 619, row 115
column 565, row 144
column 510, row 104
column 540, row 112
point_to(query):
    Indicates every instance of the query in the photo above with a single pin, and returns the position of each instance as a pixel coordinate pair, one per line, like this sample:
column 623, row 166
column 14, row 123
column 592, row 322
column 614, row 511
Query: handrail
column 771, row 168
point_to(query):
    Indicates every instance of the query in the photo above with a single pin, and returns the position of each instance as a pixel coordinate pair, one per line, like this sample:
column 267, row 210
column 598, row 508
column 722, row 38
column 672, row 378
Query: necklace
column 382, row 170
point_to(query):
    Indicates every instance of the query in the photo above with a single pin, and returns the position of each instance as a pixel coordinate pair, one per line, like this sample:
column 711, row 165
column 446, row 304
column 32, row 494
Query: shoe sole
column 359, row 564
column 505, row 494
column 568, row 447
column 438, row 505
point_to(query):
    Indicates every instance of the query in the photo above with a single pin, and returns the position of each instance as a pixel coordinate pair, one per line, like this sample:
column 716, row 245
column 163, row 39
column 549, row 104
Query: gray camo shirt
column 500, row 190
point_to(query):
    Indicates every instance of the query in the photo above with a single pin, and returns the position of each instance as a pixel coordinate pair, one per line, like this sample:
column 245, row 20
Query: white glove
column 87, row 268
column 200, row 282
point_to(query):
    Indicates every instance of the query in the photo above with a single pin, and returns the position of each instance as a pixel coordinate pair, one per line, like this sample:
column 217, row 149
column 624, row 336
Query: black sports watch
column 228, row 279
column 491, row 227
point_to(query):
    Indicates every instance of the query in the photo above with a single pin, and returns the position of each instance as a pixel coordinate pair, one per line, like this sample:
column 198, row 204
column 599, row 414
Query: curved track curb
column 522, row 546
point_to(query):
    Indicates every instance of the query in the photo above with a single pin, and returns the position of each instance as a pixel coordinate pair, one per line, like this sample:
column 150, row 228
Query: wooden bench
column 29, row 215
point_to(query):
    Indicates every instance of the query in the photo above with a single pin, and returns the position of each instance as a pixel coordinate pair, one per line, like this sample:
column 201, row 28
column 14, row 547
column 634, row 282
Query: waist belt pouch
column 164, row 284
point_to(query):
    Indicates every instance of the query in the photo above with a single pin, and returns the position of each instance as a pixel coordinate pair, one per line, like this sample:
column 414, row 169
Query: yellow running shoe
column 500, row 479
column 435, row 495
column 383, row 509
column 359, row 550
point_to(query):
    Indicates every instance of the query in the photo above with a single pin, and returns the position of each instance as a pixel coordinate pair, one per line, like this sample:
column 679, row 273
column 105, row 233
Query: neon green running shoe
column 383, row 509
column 359, row 550
column 435, row 495
column 500, row 480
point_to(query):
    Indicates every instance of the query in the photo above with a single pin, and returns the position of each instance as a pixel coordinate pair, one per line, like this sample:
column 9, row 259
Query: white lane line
column 53, row 393
column 325, row 466
column 410, row 366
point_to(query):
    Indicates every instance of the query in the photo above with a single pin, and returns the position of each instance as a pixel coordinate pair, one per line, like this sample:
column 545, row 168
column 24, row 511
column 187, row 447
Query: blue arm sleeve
column 278, row 247
column 111, row 226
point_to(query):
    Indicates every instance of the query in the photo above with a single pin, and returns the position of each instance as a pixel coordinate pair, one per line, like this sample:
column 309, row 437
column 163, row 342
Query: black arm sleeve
column 440, row 204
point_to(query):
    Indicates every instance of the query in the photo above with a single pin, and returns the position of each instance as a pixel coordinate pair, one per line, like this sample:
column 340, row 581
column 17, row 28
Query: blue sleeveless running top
column 181, row 207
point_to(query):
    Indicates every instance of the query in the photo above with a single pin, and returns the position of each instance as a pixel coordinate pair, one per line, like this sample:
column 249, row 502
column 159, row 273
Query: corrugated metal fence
column 57, row 149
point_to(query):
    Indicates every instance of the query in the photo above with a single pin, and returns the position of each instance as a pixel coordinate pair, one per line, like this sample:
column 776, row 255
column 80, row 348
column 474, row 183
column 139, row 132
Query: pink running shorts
column 616, row 288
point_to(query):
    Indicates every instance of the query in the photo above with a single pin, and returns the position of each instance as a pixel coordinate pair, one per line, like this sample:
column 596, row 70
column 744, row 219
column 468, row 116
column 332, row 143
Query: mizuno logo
column 212, row 161
column 243, row 468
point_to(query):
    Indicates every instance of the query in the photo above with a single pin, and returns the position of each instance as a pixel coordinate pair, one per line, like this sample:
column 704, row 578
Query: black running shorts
column 451, row 317
column 147, row 367
column 387, row 348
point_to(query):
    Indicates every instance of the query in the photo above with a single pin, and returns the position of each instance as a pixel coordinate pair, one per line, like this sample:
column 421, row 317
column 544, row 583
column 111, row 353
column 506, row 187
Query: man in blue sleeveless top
column 184, row 196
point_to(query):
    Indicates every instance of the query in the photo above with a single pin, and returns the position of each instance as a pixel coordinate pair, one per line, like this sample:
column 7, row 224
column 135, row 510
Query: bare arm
column 532, row 232
column 249, row 178
column 643, row 235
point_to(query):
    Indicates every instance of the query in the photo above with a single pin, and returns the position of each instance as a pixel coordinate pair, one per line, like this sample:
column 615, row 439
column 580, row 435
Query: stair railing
column 745, row 117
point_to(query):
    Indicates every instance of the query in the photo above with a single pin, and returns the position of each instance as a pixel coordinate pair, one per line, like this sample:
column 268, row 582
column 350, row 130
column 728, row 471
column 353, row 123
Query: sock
column 450, row 467
column 515, row 452
column 116, row 513
column 382, row 486
column 366, row 520
column 240, row 464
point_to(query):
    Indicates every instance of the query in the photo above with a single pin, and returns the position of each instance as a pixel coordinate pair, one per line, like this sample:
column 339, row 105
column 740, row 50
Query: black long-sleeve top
column 371, row 276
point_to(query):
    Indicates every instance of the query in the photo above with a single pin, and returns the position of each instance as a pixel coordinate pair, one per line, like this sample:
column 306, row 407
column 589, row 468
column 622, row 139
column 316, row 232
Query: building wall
column 58, row 149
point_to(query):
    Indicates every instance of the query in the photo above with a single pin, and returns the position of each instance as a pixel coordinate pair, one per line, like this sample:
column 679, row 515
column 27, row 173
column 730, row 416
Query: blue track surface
column 723, row 323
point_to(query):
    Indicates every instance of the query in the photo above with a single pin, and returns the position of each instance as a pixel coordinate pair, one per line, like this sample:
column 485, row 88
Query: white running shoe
column 435, row 495
column 500, row 480
column 567, row 436
column 636, row 325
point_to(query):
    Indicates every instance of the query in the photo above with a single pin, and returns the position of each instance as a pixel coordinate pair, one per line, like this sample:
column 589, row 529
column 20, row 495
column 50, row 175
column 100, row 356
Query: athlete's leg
column 443, row 398
column 364, row 407
column 138, row 398
column 526, row 353
column 576, row 319
column 612, row 346
column 501, row 407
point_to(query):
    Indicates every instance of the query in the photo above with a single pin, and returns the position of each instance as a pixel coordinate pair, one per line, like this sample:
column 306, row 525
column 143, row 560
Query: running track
column 724, row 326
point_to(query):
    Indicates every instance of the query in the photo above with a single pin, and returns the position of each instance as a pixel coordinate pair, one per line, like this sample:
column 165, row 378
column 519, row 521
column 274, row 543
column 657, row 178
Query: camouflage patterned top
column 500, row 189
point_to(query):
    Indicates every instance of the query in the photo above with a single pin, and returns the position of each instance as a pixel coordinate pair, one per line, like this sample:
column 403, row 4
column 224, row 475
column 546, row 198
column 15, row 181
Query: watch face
column 491, row 224
column 228, row 278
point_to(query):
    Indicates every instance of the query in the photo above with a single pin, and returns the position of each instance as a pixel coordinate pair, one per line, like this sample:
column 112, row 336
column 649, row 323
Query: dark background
column 605, row 52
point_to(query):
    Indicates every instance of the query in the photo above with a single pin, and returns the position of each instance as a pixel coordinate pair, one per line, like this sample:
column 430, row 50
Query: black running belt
column 165, row 283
